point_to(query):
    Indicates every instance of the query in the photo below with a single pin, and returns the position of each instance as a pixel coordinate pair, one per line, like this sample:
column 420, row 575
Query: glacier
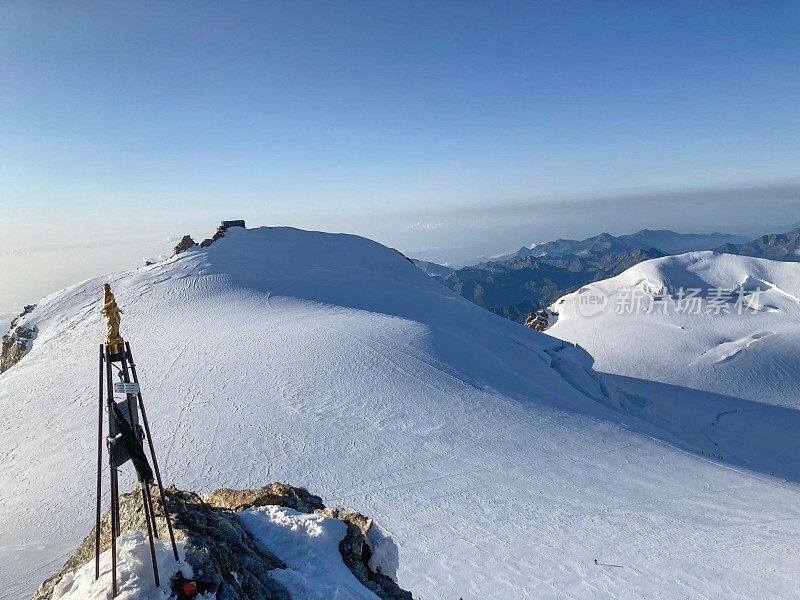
column 749, row 351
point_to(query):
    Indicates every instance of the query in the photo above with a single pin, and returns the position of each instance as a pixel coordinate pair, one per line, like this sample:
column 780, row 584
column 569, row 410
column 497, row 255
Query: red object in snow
column 190, row 587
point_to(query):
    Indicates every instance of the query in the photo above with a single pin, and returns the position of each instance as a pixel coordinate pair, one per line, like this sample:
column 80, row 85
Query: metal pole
column 99, row 472
column 152, row 453
column 114, row 489
column 114, row 519
column 150, row 508
column 147, row 515
column 115, row 503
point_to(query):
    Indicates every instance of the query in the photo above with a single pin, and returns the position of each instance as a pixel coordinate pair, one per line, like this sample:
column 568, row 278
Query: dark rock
column 218, row 235
column 354, row 549
column 274, row 494
column 185, row 243
column 537, row 320
column 514, row 285
column 27, row 310
column 356, row 553
column 17, row 341
column 217, row 545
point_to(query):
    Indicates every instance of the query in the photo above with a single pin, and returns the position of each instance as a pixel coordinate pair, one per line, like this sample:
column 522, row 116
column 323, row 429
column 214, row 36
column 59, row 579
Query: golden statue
column 112, row 312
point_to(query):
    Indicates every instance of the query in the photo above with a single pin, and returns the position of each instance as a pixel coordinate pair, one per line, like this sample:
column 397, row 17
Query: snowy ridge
column 753, row 355
column 498, row 461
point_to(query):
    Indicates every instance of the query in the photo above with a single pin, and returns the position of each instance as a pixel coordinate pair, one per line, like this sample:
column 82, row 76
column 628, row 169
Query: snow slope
column 499, row 463
column 752, row 352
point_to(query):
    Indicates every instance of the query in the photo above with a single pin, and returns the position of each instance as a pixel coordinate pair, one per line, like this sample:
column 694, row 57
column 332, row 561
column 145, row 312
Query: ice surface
column 497, row 461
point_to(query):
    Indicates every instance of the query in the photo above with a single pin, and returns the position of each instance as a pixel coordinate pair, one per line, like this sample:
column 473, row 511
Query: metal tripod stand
column 125, row 442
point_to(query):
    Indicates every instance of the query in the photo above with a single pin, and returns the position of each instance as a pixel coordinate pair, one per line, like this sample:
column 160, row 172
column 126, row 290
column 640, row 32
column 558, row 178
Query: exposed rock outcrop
column 17, row 341
column 185, row 243
column 354, row 549
column 219, row 548
column 219, row 234
column 215, row 543
column 274, row 494
column 537, row 320
column 356, row 553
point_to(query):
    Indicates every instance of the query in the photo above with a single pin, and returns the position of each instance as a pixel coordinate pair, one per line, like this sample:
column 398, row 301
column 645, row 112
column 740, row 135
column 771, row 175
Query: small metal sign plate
column 122, row 387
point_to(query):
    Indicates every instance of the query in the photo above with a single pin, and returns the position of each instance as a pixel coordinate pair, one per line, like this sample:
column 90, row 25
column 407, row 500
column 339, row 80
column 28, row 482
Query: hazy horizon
column 29, row 271
column 448, row 130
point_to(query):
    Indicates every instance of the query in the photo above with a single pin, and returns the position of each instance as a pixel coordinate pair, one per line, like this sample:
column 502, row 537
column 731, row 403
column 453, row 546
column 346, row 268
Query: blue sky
column 390, row 119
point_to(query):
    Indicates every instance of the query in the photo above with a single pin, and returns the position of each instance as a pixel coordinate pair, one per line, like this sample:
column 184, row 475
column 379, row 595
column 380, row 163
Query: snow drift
column 309, row 545
column 499, row 462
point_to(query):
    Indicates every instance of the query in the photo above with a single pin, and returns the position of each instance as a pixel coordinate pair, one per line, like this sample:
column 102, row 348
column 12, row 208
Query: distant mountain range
column 516, row 286
column 513, row 285
column 663, row 240
column 433, row 269
column 776, row 246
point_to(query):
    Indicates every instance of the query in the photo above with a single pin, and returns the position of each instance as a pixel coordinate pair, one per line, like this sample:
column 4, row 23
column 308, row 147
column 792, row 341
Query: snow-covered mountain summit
column 493, row 455
column 729, row 324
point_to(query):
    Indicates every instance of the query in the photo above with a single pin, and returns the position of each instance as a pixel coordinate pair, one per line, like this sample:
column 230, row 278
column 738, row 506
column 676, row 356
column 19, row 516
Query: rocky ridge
column 17, row 341
column 187, row 242
column 218, row 547
column 775, row 246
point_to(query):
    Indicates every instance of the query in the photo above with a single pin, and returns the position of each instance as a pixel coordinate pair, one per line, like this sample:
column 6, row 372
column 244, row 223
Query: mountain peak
column 332, row 361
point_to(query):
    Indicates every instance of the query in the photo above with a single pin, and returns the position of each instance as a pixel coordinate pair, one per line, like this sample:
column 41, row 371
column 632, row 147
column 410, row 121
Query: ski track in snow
column 331, row 362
